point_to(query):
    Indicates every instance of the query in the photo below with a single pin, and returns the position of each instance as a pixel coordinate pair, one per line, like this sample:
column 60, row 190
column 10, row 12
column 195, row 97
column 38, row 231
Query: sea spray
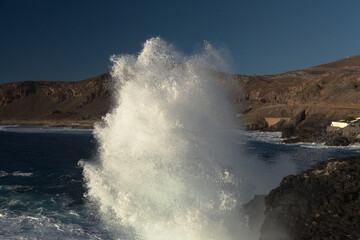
column 168, row 167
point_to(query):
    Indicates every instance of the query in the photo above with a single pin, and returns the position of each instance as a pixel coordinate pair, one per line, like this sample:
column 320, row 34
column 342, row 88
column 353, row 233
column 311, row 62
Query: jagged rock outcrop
column 322, row 202
column 344, row 136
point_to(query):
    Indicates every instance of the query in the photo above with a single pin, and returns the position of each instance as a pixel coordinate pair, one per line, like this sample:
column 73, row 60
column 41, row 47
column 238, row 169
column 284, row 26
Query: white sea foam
column 313, row 145
column 275, row 137
column 37, row 226
column 272, row 137
column 22, row 174
column 168, row 165
column 4, row 127
column 15, row 174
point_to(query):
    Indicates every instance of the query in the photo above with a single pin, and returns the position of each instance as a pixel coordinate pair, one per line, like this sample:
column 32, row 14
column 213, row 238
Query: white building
column 339, row 124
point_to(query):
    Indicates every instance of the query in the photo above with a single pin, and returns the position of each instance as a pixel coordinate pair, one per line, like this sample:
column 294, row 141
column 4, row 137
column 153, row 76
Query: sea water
column 164, row 164
column 42, row 187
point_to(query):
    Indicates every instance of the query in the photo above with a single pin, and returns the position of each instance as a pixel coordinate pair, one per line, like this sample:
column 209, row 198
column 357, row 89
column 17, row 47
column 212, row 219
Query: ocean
column 42, row 185
column 164, row 164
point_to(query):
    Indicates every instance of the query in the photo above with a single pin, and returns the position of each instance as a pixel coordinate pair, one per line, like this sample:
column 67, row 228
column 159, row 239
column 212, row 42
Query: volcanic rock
column 322, row 202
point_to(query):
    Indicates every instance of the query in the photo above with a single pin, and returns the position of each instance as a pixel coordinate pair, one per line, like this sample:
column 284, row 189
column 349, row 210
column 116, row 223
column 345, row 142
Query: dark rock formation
column 343, row 136
column 322, row 202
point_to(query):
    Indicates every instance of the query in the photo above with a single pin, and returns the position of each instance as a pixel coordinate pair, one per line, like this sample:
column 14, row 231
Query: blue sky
column 73, row 40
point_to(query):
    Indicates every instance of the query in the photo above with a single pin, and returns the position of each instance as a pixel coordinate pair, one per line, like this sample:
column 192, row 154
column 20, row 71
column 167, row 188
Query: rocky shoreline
column 319, row 135
column 301, row 104
column 70, row 124
column 296, row 129
column 290, row 134
column 322, row 202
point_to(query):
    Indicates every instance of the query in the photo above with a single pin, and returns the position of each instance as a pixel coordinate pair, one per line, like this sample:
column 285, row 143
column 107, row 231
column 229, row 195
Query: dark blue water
column 42, row 189
column 41, row 186
column 268, row 147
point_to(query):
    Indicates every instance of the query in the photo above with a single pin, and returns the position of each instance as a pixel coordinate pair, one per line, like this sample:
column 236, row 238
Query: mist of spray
column 168, row 166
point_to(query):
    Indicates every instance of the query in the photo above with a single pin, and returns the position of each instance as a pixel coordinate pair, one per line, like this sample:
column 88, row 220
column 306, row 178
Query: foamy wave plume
column 168, row 166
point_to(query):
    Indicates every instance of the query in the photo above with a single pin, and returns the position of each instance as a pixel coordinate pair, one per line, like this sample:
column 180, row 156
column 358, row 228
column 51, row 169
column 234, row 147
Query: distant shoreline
column 47, row 123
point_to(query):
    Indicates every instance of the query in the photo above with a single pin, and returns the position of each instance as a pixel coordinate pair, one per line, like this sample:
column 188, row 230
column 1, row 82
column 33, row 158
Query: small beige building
column 339, row 124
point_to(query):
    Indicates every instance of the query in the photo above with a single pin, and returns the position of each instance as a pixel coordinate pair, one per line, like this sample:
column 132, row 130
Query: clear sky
column 73, row 39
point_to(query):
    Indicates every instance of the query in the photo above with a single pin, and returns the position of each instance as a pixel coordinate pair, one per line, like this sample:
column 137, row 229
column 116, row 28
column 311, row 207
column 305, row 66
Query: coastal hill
column 76, row 104
column 326, row 93
column 303, row 102
column 305, row 99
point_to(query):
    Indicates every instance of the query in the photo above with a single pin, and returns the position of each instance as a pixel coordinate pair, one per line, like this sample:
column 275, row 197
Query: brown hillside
column 55, row 103
column 324, row 93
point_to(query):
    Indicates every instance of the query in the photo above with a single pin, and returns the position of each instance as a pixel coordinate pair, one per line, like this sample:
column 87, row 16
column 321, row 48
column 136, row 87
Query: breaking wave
column 168, row 163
